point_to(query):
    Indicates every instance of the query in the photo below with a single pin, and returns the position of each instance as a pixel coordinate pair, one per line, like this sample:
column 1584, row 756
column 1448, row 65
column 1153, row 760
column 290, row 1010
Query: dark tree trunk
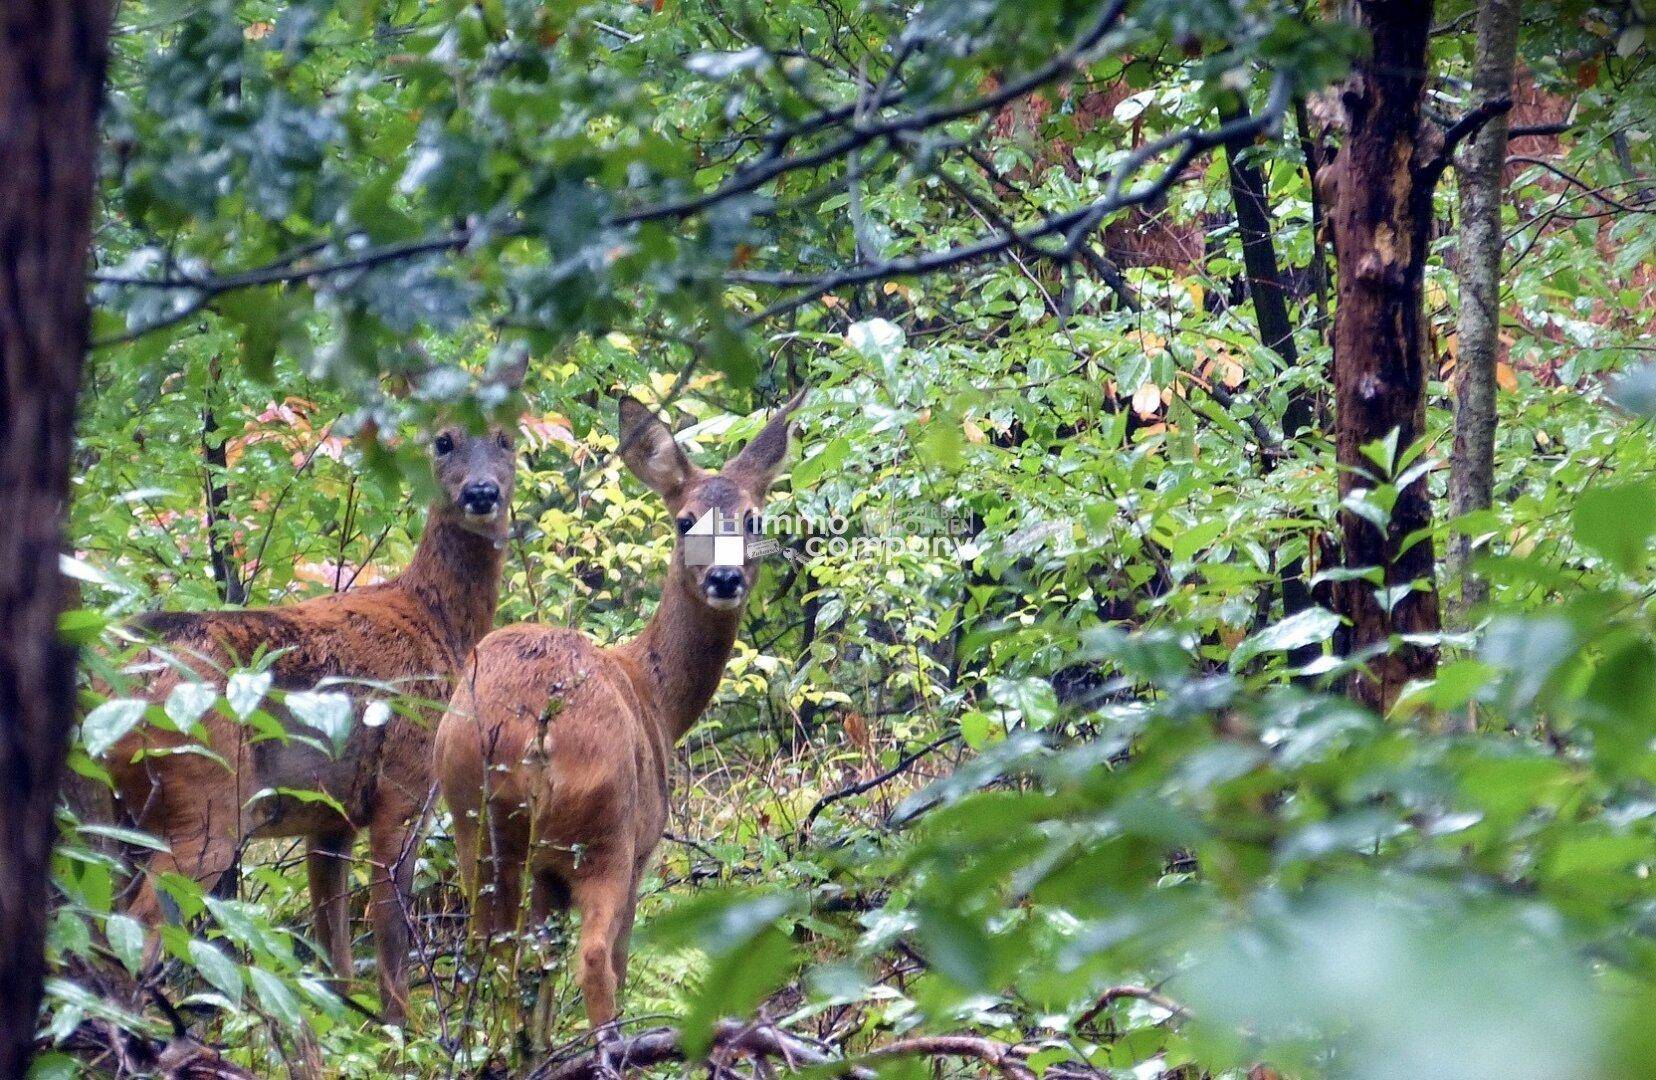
column 51, row 80
column 1270, row 304
column 1381, row 213
column 226, row 574
column 1259, row 258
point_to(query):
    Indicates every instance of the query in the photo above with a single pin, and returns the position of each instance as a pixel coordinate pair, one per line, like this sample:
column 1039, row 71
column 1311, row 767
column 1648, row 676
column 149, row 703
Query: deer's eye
column 755, row 523
column 685, row 523
column 503, row 441
column 444, row 444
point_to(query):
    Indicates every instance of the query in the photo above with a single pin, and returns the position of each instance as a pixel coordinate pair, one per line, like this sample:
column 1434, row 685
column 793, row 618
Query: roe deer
column 558, row 750
column 412, row 631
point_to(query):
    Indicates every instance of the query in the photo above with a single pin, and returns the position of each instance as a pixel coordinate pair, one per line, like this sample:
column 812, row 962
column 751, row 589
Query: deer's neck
column 682, row 655
column 456, row 575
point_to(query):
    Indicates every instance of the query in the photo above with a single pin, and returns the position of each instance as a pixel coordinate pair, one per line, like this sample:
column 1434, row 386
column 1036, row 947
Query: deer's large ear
column 760, row 460
column 648, row 448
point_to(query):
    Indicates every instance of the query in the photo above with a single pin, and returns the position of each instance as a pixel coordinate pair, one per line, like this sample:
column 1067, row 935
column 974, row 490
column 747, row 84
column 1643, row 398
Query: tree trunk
column 1472, row 464
column 1270, row 304
column 220, row 529
column 51, row 80
column 1381, row 213
column 1265, row 288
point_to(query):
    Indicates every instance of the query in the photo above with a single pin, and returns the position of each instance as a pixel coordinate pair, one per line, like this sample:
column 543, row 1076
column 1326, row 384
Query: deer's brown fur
column 412, row 633
column 554, row 754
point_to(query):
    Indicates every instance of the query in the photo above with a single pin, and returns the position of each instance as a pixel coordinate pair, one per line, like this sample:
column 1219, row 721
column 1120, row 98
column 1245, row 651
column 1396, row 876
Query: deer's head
column 475, row 470
column 731, row 499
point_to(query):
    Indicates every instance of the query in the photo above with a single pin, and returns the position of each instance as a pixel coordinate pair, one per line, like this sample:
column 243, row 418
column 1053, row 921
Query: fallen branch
column 661, row 1045
column 767, row 1043
column 1140, row 993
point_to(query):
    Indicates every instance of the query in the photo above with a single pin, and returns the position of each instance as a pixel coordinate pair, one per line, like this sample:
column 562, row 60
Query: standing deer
column 557, row 751
column 412, row 633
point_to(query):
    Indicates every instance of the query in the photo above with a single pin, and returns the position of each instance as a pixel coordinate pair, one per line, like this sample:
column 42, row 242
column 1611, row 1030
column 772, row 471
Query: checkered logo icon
column 715, row 540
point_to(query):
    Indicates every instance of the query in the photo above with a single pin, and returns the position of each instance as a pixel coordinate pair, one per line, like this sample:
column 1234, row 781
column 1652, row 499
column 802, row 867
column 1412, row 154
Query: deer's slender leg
column 389, row 910
column 623, row 932
column 328, row 864
column 548, row 896
column 603, row 894
column 506, row 850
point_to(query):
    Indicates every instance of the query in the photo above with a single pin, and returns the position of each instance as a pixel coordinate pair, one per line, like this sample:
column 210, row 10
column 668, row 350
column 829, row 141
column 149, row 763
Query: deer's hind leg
column 505, row 854
column 328, row 864
column 203, row 835
column 391, row 839
column 603, row 892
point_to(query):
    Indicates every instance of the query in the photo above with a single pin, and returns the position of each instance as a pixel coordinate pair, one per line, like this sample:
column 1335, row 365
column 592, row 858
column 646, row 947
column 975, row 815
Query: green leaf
column 1617, row 522
column 879, row 340
column 275, row 997
column 104, row 726
column 126, row 940
column 1383, row 452
column 1635, row 391
column 124, row 836
column 53, row 1066
column 735, row 983
column 329, row 712
column 223, row 973
column 245, row 690
column 975, row 729
column 720, row 921
column 956, row 947
column 1308, row 627
column 188, row 701
column 1030, row 699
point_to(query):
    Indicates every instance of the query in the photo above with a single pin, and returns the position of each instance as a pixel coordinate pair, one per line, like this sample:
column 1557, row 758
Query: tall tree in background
column 1380, row 212
column 52, row 58
column 1276, row 330
column 1472, row 464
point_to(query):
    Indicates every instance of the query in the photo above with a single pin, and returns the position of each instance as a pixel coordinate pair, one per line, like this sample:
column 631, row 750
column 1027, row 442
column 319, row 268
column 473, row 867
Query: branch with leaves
column 1059, row 237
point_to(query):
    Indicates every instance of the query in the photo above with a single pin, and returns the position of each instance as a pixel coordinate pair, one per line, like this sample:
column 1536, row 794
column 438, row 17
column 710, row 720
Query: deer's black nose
column 480, row 497
column 724, row 582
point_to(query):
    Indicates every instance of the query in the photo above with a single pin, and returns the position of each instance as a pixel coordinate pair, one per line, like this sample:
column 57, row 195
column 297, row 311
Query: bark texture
column 51, row 79
column 1380, row 212
column 1472, row 465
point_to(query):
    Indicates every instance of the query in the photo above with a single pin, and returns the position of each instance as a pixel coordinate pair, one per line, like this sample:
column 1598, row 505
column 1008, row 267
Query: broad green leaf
column 245, row 690
column 218, row 969
column 329, row 712
column 1308, row 627
column 276, row 998
column 126, row 940
column 1618, row 521
column 104, row 726
column 188, row 701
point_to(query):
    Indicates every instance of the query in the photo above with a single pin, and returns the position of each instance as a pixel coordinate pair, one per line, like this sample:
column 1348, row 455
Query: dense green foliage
column 321, row 219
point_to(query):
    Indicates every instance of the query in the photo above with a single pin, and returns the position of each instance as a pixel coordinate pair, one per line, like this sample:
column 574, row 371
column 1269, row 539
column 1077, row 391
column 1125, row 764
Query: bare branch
column 1460, row 130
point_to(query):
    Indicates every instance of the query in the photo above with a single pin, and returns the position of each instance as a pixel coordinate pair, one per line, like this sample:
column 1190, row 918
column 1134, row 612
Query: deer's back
column 379, row 635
